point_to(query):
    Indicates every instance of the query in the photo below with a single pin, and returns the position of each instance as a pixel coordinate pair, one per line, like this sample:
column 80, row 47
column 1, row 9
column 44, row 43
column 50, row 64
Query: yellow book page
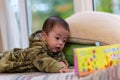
column 93, row 59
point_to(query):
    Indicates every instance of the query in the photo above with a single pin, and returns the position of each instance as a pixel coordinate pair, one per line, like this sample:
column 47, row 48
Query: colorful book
column 91, row 59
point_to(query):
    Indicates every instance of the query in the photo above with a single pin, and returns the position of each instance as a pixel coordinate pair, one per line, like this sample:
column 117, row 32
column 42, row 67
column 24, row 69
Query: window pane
column 42, row 9
column 15, row 8
column 18, row 21
column 111, row 6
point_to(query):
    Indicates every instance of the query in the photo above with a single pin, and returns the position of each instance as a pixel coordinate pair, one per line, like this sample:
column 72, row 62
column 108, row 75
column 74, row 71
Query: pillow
column 68, row 51
column 89, row 27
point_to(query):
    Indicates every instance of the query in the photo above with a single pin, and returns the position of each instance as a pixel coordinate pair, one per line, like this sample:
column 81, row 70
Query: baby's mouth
column 58, row 47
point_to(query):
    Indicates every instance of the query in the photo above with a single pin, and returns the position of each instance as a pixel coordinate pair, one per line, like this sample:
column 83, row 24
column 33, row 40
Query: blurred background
column 20, row 18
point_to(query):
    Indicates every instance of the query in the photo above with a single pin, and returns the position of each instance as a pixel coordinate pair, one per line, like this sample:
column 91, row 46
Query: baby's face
column 57, row 38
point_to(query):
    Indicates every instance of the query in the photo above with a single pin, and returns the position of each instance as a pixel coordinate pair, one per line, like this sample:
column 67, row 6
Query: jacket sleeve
column 63, row 59
column 42, row 61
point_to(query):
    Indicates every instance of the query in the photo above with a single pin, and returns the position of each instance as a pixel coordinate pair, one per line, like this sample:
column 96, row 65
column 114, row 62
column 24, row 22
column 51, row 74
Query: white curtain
column 13, row 35
column 83, row 5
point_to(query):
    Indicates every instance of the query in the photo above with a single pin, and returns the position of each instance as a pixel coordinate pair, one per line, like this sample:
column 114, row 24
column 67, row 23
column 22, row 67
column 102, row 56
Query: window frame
column 26, row 19
column 83, row 5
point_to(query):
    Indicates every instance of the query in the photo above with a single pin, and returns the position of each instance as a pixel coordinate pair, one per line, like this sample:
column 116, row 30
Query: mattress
column 111, row 73
column 38, row 76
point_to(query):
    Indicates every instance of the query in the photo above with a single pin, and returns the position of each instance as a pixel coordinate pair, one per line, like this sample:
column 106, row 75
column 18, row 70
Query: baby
column 44, row 53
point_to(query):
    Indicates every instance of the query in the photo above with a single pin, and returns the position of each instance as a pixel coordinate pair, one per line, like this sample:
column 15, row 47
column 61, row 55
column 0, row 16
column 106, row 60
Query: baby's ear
column 44, row 34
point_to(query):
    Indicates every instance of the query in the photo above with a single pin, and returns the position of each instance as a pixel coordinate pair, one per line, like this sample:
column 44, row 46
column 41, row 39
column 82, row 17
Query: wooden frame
column 1, row 44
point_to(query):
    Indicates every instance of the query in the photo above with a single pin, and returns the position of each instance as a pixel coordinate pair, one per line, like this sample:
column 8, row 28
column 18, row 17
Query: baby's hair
column 52, row 21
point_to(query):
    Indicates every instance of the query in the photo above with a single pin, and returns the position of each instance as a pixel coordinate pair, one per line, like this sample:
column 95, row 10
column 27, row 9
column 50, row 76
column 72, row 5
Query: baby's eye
column 64, row 41
column 57, row 38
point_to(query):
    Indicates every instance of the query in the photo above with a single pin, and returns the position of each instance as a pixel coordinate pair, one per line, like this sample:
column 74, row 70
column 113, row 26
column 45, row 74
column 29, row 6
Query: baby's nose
column 60, row 42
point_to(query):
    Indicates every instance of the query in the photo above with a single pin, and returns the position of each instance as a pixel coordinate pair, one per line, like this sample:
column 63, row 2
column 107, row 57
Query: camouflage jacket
column 37, row 57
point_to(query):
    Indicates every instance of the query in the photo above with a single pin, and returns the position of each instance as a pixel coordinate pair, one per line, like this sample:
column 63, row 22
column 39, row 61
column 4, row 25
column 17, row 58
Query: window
column 22, row 15
column 13, row 24
column 42, row 9
column 110, row 6
column 20, row 11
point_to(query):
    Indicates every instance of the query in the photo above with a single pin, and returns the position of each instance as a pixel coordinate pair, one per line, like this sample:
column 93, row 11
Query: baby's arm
column 63, row 64
column 45, row 63
column 64, row 67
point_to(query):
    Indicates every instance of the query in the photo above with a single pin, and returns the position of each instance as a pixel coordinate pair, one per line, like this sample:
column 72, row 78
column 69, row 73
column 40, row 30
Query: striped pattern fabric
column 111, row 73
column 39, row 76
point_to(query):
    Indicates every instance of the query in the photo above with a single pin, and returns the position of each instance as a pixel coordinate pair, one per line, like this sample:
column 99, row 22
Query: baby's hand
column 64, row 70
column 63, row 64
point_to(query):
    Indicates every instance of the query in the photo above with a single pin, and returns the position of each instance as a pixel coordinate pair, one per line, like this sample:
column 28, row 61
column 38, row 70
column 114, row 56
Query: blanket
column 39, row 76
column 111, row 73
